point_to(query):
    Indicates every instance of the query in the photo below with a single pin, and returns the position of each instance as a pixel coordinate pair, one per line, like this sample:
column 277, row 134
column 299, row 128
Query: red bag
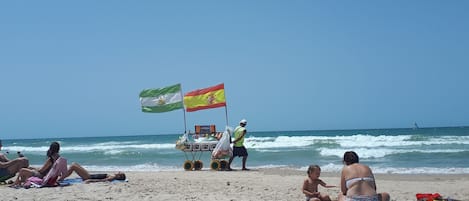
column 427, row 196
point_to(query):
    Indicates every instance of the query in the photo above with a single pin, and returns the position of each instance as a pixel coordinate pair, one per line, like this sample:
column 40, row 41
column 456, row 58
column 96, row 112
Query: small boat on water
column 416, row 126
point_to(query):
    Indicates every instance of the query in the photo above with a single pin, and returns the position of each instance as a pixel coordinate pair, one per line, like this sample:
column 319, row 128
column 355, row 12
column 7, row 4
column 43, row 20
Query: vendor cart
column 205, row 139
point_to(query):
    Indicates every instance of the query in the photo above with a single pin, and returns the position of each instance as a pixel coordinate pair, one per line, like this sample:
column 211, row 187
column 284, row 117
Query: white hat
column 243, row 121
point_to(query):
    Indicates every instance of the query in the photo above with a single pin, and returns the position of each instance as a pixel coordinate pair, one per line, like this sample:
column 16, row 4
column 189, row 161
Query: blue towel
column 78, row 180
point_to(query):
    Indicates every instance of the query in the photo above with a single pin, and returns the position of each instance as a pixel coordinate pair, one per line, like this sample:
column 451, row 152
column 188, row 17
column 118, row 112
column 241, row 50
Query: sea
column 442, row 150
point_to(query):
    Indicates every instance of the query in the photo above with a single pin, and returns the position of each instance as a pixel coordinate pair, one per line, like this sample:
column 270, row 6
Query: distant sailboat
column 416, row 126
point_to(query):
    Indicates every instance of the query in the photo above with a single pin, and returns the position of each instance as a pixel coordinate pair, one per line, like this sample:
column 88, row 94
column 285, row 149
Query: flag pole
column 226, row 115
column 185, row 127
column 183, row 111
column 226, row 107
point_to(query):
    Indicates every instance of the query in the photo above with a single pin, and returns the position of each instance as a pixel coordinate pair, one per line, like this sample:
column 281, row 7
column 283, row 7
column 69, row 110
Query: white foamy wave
column 117, row 147
column 420, row 170
column 29, row 149
column 374, row 141
column 94, row 147
column 285, row 141
column 388, row 141
column 364, row 152
column 335, row 168
column 147, row 167
column 382, row 152
column 113, row 152
column 353, row 141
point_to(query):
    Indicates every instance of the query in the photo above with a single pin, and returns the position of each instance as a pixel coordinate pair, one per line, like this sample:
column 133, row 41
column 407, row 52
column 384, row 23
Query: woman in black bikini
column 87, row 177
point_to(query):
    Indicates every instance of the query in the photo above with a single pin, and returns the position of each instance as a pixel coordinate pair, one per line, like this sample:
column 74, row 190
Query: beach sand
column 260, row 184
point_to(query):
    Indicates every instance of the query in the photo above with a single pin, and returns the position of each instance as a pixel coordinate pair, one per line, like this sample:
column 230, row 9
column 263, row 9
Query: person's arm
column 371, row 175
column 46, row 166
column 374, row 180
column 323, row 184
column 343, row 187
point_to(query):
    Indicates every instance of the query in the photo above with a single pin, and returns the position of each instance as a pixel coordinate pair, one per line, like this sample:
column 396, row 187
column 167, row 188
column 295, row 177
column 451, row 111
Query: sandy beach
column 261, row 184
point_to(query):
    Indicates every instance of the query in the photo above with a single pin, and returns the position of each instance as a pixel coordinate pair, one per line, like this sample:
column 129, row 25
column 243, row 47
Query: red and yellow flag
column 200, row 99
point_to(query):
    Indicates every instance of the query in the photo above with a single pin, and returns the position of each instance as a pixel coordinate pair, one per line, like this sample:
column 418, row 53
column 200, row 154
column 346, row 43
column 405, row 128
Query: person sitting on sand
column 310, row 185
column 52, row 156
column 87, row 177
column 358, row 182
column 9, row 168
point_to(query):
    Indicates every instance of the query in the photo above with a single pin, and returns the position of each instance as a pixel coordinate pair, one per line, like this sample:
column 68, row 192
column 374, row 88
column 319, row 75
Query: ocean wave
column 330, row 168
column 382, row 152
column 94, row 147
column 334, row 168
column 353, row 141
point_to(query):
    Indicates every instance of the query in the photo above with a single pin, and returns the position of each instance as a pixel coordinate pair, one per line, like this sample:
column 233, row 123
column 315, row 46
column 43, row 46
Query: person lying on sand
column 87, row 177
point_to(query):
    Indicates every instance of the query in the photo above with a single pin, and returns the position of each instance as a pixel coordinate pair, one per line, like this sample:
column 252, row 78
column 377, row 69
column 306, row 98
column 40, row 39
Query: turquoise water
column 418, row 151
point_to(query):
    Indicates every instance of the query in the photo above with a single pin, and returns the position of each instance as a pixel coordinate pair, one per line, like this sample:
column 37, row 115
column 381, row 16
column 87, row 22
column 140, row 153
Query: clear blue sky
column 76, row 68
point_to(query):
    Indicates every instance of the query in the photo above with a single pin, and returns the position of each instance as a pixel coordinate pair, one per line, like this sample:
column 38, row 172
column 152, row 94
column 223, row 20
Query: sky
column 76, row 68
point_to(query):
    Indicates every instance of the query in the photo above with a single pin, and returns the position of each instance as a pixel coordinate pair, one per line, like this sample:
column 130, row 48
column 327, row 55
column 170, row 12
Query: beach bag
column 223, row 147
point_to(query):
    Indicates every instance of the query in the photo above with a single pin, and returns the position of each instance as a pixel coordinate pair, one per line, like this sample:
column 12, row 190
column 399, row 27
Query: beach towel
column 80, row 181
column 35, row 182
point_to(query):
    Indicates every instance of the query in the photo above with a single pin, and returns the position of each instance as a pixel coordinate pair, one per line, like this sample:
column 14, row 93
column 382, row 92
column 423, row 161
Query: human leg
column 77, row 168
column 245, row 158
column 341, row 197
column 229, row 163
column 24, row 174
column 324, row 197
column 312, row 199
column 244, row 153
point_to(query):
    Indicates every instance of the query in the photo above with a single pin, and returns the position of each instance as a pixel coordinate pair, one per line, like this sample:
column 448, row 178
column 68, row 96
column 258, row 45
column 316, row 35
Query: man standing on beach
column 238, row 144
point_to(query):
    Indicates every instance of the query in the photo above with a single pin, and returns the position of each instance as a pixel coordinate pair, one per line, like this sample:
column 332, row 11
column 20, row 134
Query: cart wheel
column 223, row 164
column 198, row 165
column 188, row 165
column 215, row 165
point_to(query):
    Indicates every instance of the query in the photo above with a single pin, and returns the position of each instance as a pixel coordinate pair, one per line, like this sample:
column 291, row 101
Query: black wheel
column 188, row 165
column 215, row 165
column 198, row 165
column 223, row 164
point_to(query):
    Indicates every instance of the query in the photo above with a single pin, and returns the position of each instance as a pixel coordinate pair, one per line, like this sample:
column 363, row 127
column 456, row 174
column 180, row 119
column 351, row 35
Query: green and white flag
column 162, row 99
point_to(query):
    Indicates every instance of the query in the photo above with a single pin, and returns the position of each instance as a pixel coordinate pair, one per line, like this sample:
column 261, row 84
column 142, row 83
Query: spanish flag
column 200, row 99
